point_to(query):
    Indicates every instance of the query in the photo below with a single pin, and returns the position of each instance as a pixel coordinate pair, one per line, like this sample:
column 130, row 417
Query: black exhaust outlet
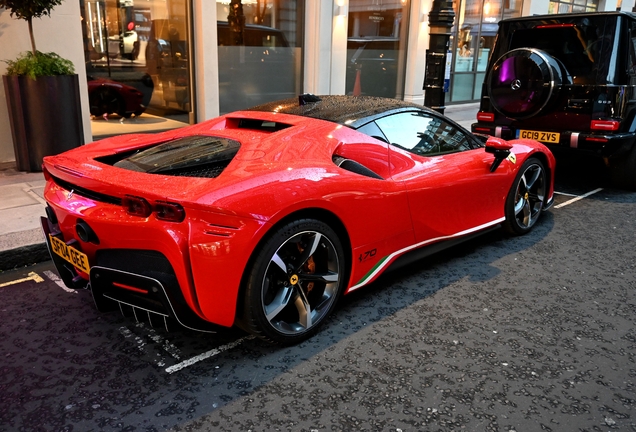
column 85, row 232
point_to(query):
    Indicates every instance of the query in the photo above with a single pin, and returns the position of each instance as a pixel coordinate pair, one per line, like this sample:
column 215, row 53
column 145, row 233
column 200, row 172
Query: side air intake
column 354, row 167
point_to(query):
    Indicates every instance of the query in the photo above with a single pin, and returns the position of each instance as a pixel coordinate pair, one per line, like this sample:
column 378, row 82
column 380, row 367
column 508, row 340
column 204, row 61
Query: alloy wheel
column 301, row 283
column 529, row 196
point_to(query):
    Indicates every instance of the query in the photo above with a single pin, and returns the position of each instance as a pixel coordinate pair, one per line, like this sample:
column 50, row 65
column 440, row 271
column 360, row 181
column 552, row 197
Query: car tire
column 524, row 81
column 623, row 170
column 526, row 197
column 294, row 282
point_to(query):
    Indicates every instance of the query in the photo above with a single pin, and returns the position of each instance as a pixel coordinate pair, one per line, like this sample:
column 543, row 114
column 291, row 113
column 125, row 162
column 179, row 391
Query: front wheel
column 526, row 197
column 294, row 282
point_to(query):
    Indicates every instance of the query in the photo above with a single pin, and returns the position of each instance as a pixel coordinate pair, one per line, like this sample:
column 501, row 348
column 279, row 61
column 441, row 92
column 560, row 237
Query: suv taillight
column 548, row 26
column 604, row 125
column 485, row 116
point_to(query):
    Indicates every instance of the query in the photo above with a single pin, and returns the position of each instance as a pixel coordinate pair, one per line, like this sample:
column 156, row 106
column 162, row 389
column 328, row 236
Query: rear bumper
column 154, row 299
column 146, row 296
column 604, row 145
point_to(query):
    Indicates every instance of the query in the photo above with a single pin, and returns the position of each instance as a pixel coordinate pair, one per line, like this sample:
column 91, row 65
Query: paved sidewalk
column 21, row 205
column 21, row 239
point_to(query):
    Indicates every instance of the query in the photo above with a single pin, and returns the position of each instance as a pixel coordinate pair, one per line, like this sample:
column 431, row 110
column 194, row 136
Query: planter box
column 45, row 116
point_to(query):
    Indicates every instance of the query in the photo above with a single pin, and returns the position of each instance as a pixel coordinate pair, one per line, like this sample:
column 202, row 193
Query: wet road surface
column 518, row 334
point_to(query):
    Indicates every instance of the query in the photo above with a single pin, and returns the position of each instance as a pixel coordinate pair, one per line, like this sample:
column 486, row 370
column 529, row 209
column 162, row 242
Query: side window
column 423, row 134
column 372, row 130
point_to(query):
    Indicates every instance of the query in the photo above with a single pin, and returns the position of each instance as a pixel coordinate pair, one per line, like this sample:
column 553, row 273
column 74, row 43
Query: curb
column 23, row 256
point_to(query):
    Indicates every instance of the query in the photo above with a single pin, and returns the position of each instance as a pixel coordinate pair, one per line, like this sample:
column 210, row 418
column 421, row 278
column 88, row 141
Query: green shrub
column 42, row 64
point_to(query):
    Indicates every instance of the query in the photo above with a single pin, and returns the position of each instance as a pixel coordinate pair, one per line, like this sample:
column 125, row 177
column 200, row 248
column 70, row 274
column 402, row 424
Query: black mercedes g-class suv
column 568, row 81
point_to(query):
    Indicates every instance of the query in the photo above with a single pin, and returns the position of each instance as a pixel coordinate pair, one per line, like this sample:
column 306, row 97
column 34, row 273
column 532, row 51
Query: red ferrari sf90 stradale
column 263, row 218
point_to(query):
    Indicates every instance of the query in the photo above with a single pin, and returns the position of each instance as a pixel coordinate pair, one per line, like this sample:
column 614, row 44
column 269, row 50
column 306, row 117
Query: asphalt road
column 532, row 333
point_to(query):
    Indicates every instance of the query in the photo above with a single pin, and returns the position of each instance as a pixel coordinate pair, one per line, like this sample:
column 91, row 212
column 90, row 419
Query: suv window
column 584, row 47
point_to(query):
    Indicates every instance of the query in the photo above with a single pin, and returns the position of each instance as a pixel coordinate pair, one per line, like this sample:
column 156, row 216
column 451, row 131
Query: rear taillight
column 47, row 174
column 548, row 26
column 605, row 125
column 485, row 116
column 163, row 210
column 136, row 206
column 168, row 211
column 130, row 288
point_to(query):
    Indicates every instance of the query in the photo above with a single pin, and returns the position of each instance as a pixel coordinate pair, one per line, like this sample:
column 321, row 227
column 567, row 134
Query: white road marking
column 566, row 194
column 49, row 274
column 31, row 276
column 206, row 355
column 578, row 198
column 164, row 343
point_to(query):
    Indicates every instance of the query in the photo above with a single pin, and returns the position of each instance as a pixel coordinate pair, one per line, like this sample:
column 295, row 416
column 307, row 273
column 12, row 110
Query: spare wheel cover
column 523, row 82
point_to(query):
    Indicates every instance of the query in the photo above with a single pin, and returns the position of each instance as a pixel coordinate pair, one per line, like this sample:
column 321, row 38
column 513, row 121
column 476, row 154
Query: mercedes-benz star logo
column 516, row 84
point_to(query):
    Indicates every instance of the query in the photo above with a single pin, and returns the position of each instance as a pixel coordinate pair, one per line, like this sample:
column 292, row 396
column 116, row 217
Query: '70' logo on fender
column 366, row 255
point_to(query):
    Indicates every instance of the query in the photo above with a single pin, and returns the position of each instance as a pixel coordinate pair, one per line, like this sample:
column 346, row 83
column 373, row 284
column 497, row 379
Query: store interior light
column 339, row 8
column 487, row 8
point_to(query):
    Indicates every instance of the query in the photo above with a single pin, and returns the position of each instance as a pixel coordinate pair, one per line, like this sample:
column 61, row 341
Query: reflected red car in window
column 107, row 96
column 263, row 218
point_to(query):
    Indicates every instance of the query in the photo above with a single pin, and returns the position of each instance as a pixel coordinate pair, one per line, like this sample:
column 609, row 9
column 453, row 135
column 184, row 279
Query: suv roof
column 565, row 16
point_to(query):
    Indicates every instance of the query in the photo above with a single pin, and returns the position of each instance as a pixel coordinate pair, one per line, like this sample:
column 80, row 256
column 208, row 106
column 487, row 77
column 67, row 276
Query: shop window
column 138, row 65
column 260, row 51
column 472, row 39
column 569, row 6
column 376, row 48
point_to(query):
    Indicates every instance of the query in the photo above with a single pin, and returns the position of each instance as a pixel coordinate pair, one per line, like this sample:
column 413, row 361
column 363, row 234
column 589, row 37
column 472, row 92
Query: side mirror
column 498, row 147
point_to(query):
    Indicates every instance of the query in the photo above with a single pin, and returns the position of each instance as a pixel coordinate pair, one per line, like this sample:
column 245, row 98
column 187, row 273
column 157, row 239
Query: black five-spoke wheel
column 295, row 281
column 526, row 197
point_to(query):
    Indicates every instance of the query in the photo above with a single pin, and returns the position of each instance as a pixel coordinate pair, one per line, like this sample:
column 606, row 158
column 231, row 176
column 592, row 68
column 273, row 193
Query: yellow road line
column 32, row 276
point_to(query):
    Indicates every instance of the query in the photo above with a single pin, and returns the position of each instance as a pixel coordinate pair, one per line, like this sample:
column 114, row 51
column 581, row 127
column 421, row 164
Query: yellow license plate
column 547, row 137
column 70, row 254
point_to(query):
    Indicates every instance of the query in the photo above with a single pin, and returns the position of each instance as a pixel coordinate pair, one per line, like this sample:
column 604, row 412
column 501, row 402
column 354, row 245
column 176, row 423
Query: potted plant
column 42, row 92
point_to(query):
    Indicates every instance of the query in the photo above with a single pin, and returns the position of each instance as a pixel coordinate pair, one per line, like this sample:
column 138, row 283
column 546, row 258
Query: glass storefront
column 137, row 64
column 473, row 36
column 260, row 47
column 376, row 47
column 567, row 6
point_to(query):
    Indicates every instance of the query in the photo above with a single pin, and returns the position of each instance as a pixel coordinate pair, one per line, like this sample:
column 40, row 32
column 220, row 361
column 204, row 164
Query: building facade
column 151, row 65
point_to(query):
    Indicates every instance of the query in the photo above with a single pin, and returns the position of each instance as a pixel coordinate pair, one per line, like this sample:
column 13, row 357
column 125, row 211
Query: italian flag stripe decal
column 387, row 259
column 370, row 272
